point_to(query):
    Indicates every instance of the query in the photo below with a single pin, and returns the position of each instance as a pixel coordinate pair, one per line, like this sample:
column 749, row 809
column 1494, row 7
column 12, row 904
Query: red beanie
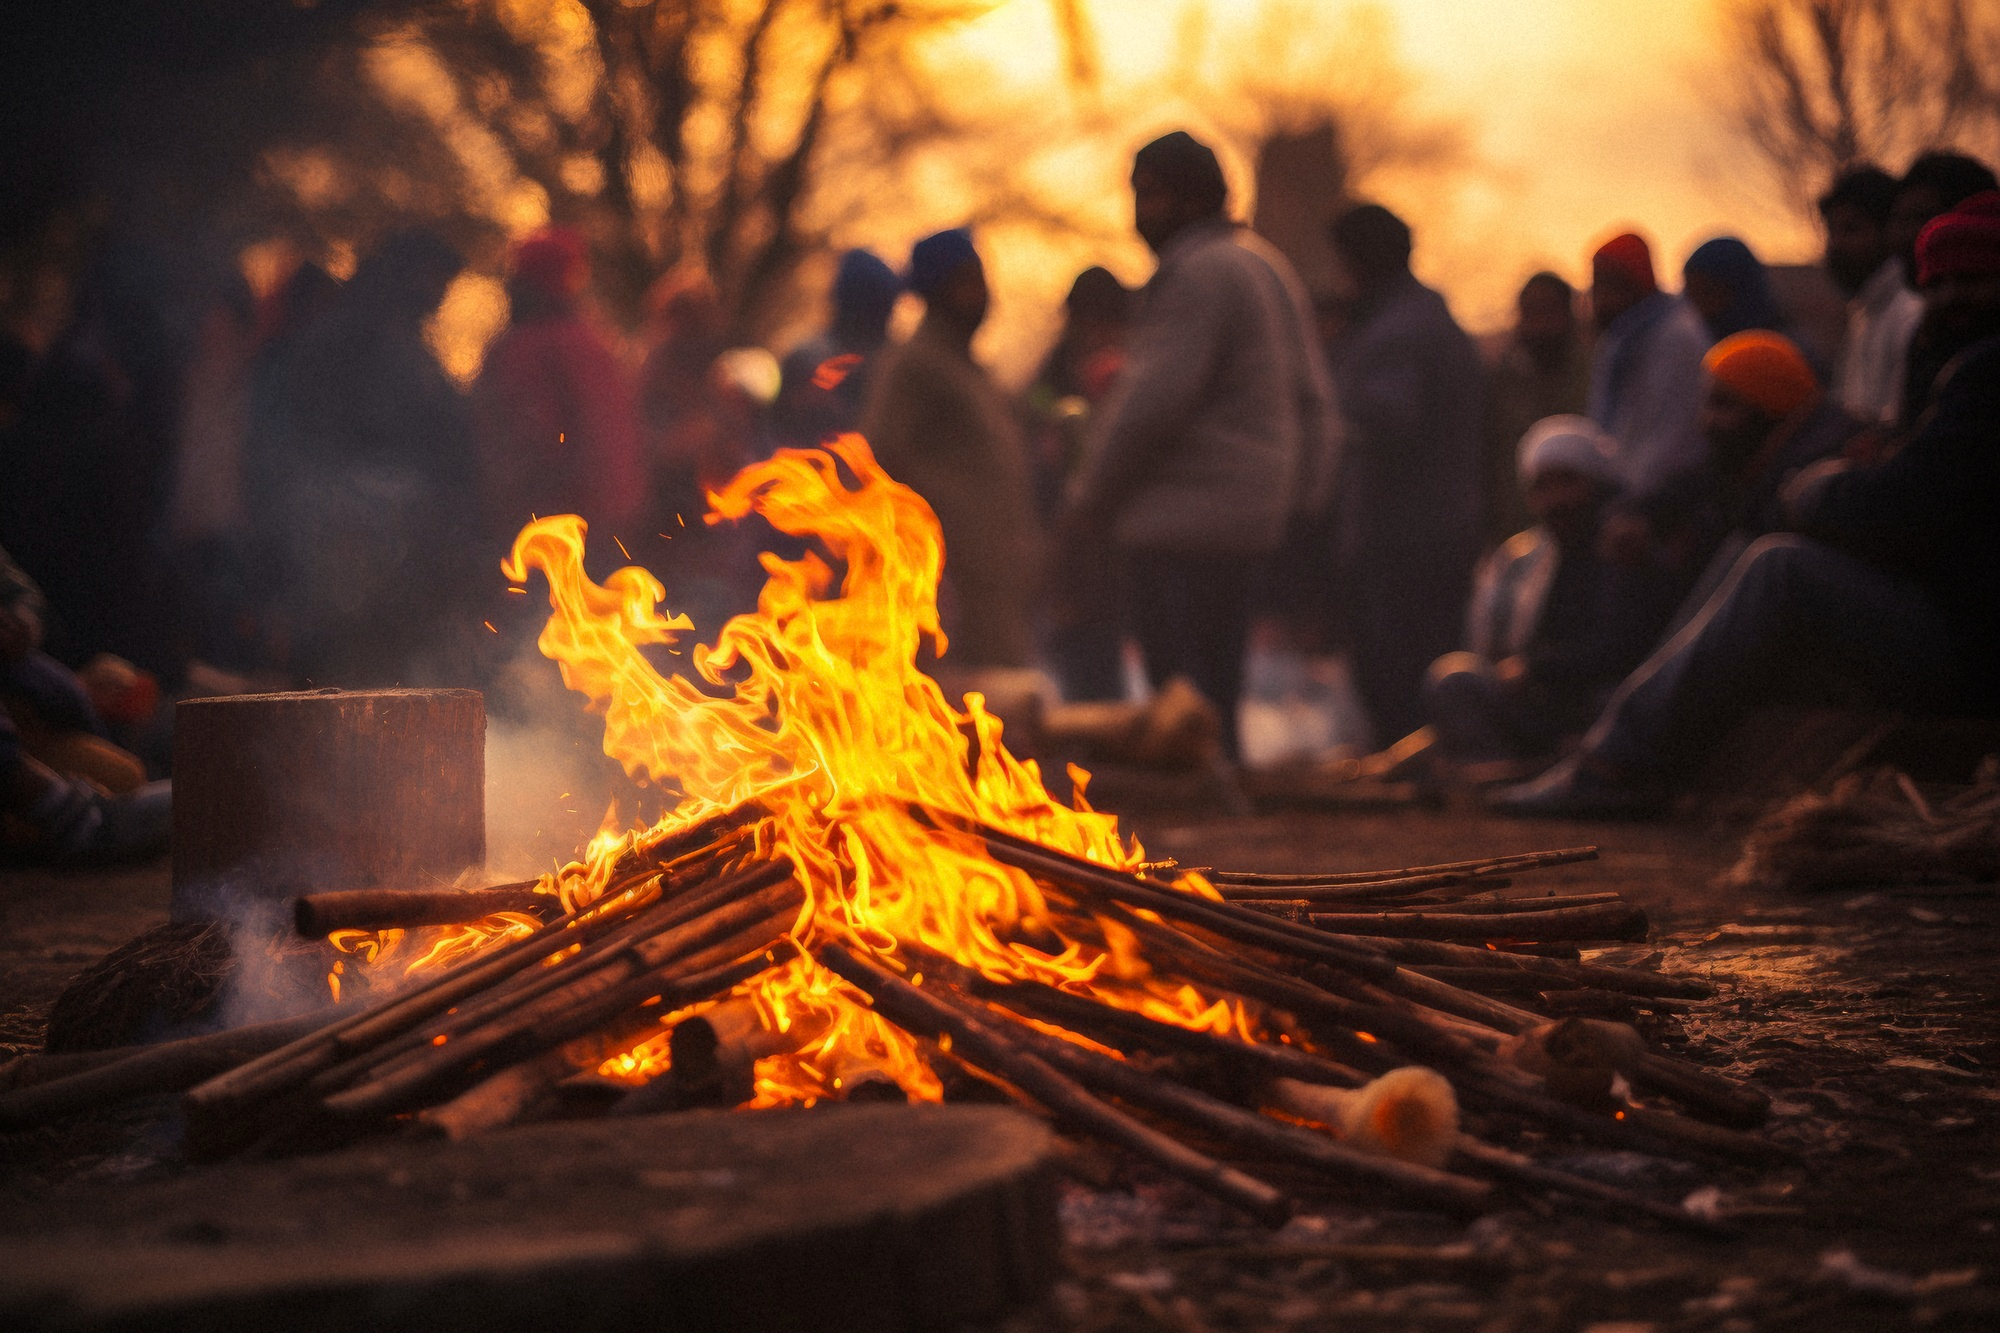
column 1963, row 242
column 553, row 262
column 1630, row 257
column 1766, row 368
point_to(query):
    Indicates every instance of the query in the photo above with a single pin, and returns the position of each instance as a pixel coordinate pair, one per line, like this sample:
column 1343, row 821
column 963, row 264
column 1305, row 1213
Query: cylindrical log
column 318, row 915
column 281, row 794
column 920, row 1014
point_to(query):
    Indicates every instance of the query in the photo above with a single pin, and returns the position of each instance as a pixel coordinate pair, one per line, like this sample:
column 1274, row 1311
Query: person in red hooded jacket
column 557, row 418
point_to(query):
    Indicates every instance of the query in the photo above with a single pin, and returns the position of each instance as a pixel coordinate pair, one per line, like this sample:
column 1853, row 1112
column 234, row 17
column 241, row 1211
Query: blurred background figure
column 1764, row 418
column 1551, row 627
column 823, row 387
column 940, row 425
column 87, row 472
column 67, row 795
column 1410, row 484
column 1084, row 631
column 1882, row 307
column 556, row 413
column 1645, row 378
column 1935, row 184
column 1542, row 370
column 1726, row 284
column 377, row 478
column 1216, row 436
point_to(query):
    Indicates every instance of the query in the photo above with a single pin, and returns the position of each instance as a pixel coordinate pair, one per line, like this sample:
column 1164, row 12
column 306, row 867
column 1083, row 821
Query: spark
column 489, row 625
column 621, row 547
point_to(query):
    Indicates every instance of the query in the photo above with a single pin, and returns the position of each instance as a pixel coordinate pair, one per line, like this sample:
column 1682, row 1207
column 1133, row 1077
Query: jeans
column 1791, row 615
column 1191, row 614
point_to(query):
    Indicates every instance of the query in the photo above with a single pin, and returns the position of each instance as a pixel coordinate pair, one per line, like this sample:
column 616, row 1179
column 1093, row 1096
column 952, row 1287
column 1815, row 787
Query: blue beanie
column 935, row 258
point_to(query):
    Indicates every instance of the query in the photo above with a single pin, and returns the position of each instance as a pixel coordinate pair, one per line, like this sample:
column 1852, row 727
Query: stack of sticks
column 1338, row 997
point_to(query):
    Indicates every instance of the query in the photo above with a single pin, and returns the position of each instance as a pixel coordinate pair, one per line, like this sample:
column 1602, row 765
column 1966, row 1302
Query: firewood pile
column 862, row 894
column 1353, row 982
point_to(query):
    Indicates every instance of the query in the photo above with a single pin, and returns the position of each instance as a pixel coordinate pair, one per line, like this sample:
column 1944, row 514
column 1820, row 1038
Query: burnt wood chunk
column 277, row 795
column 879, row 1218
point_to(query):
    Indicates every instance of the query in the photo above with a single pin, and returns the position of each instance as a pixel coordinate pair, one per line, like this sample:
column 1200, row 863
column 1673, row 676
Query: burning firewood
column 864, row 888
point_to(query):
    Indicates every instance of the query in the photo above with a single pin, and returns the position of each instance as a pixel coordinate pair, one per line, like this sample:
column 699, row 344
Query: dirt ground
column 1869, row 1016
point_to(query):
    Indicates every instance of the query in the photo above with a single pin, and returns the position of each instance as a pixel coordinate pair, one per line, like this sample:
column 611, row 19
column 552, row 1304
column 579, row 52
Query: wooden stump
column 889, row 1219
column 281, row 794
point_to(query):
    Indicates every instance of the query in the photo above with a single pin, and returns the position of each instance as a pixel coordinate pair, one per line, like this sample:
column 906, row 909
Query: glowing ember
column 827, row 725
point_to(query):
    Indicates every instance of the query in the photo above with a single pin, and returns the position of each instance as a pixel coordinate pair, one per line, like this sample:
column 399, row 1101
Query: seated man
column 50, row 815
column 1889, row 583
column 1765, row 418
column 1552, row 627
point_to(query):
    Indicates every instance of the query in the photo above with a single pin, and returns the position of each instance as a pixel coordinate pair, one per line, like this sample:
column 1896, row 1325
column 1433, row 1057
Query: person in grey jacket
column 1216, row 435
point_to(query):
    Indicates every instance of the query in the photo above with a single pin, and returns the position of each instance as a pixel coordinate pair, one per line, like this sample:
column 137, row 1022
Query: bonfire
column 860, row 892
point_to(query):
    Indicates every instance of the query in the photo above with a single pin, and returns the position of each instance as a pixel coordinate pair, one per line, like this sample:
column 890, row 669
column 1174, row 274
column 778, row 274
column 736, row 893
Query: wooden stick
column 523, row 987
column 289, row 1065
column 1523, row 1170
column 574, row 1009
column 318, row 915
column 1724, row 1099
column 974, row 1040
column 146, row 1071
column 1427, row 954
column 1100, row 1021
column 1518, row 861
column 1251, row 1130
column 1388, row 888
column 1605, row 921
column 1233, row 922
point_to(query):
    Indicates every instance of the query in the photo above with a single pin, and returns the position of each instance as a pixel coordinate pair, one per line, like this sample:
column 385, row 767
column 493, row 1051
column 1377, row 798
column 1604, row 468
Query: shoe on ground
column 1572, row 791
column 81, row 825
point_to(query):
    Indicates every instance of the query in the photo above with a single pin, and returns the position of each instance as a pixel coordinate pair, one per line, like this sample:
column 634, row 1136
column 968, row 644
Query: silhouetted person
column 1645, row 380
column 87, row 471
column 1084, row 626
column 939, row 424
column 557, row 415
column 1215, row 437
column 1934, row 184
column 1728, row 287
column 1543, row 370
column 380, row 485
column 1552, row 626
column 1882, row 309
column 1411, row 501
column 823, row 387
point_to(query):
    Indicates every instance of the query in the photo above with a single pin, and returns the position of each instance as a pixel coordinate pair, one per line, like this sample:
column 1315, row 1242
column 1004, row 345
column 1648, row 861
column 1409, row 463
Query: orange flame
column 828, row 724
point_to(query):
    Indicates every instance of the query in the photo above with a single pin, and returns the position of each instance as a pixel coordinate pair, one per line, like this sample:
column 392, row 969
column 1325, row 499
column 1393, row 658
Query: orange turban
column 1765, row 368
column 1630, row 256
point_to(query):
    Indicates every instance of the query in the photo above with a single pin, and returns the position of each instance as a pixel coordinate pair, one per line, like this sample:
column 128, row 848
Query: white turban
column 1571, row 442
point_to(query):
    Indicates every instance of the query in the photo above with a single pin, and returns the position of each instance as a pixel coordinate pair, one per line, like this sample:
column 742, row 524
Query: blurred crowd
column 1566, row 558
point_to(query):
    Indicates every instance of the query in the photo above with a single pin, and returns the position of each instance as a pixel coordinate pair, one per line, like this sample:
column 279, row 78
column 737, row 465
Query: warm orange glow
column 831, row 727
